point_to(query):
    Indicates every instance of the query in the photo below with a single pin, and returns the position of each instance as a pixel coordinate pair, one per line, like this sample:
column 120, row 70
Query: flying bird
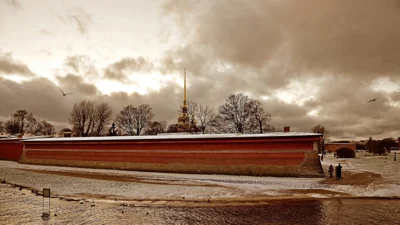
column 372, row 100
column 64, row 94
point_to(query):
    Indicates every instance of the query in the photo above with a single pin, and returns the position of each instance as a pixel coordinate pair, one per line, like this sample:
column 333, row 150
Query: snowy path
column 384, row 165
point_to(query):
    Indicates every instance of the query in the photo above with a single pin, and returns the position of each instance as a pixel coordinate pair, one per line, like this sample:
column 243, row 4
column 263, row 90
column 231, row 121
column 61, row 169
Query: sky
column 309, row 62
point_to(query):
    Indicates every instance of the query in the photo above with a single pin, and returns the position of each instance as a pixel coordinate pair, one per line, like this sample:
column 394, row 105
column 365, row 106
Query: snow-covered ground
column 386, row 166
column 149, row 186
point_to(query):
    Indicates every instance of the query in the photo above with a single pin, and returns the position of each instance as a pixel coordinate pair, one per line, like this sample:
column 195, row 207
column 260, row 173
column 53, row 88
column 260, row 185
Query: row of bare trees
column 201, row 114
column 239, row 114
column 90, row 119
column 22, row 122
column 133, row 120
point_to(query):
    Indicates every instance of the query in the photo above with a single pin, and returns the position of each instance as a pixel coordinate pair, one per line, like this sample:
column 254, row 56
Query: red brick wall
column 10, row 149
column 171, row 157
column 251, row 156
column 333, row 147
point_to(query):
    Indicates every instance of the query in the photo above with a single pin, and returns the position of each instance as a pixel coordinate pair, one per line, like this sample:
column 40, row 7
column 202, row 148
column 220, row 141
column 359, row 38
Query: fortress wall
column 261, row 156
column 10, row 149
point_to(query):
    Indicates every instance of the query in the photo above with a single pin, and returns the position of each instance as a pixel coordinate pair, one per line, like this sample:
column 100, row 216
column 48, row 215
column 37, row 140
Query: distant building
column 333, row 147
column 398, row 142
column 66, row 132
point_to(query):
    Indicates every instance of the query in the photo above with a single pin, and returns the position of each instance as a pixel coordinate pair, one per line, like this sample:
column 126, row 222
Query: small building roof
column 182, row 136
column 66, row 130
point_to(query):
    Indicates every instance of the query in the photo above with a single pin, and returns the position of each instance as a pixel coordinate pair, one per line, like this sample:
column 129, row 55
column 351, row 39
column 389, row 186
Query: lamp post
column 322, row 149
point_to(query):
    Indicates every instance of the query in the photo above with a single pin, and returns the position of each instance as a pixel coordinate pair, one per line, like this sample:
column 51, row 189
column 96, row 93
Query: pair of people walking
column 338, row 170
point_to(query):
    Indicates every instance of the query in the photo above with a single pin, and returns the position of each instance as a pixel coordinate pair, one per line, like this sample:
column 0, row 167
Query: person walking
column 330, row 170
column 336, row 173
column 339, row 172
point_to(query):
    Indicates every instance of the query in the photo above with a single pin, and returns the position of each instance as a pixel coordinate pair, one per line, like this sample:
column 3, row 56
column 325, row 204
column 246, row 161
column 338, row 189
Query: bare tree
column 19, row 122
column 125, row 119
column 41, row 126
column 90, row 119
column 47, row 128
column 35, row 126
column 145, row 115
column 156, row 127
column 319, row 129
column 133, row 120
column 236, row 111
column 112, row 131
column 205, row 115
column 218, row 125
column 103, row 114
column 172, row 128
column 260, row 119
column 269, row 128
column 23, row 118
column 2, row 128
column 193, row 108
column 82, row 117
column 12, row 126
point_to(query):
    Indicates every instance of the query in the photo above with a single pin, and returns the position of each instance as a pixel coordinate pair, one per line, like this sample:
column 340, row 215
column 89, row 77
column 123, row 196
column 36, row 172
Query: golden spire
column 184, row 107
column 184, row 88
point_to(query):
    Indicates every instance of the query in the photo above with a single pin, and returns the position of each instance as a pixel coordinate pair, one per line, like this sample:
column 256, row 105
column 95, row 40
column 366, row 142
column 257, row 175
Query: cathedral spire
column 185, row 122
column 184, row 88
column 185, row 107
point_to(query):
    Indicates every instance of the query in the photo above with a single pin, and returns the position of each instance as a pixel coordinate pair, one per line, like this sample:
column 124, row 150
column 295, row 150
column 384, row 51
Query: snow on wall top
column 179, row 136
column 7, row 138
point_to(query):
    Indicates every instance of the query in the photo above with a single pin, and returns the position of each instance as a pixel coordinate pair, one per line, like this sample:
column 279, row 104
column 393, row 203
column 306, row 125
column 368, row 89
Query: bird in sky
column 372, row 100
column 64, row 94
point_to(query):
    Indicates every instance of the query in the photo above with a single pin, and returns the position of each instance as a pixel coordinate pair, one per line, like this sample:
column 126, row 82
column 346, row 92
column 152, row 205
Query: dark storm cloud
column 165, row 102
column 120, row 70
column 39, row 96
column 344, row 109
column 10, row 65
column 263, row 46
column 14, row 3
column 43, row 98
column 74, row 83
column 349, row 37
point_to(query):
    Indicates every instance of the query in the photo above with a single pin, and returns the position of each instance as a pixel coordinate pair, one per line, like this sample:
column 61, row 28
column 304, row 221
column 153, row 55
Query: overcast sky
column 310, row 62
